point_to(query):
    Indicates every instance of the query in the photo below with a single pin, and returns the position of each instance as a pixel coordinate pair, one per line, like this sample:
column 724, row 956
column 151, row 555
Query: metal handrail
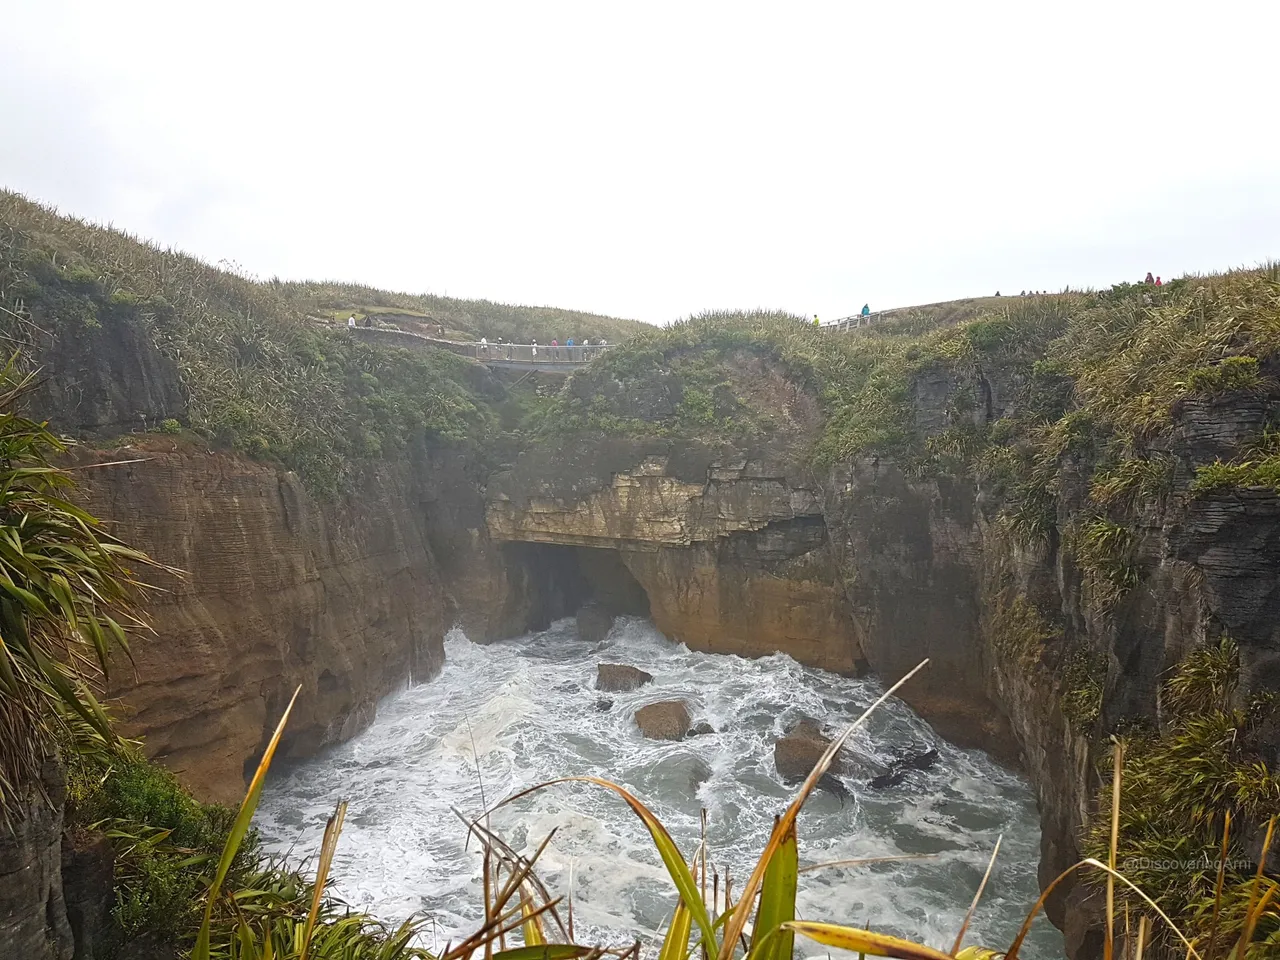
column 541, row 353
column 851, row 322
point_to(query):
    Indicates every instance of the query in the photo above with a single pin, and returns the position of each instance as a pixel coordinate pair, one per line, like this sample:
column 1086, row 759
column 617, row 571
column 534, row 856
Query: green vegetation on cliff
column 1021, row 384
column 167, row 848
column 1196, row 798
column 462, row 319
column 255, row 372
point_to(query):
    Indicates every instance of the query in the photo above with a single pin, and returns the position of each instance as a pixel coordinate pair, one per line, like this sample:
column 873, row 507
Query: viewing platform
column 507, row 356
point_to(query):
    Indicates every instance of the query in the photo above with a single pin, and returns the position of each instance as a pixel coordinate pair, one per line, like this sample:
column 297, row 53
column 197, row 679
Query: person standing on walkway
column 351, row 322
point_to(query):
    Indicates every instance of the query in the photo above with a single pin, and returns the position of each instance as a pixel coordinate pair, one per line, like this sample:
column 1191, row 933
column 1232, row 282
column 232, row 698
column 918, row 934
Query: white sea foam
column 524, row 711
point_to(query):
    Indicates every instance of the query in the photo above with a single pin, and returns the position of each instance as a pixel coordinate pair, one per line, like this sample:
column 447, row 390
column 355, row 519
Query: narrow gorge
column 1057, row 533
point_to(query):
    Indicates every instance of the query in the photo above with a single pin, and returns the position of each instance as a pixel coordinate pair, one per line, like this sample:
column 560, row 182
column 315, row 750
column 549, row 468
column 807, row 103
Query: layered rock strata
column 729, row 548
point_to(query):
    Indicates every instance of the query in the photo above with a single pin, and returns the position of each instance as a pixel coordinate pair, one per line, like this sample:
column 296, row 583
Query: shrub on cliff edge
column 1197, row 798
column 67, row 597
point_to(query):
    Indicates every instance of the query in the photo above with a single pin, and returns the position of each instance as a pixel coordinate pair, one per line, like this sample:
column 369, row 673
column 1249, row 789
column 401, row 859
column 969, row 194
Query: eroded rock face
column 667, row 720
column 594, row 623
column 753, row 594
column 909, row 554
column 729, row 546
column 344, row 599
column 644, row 494
column 930, row 574
column 88, row 873
column 619, row 677
column 33, row 913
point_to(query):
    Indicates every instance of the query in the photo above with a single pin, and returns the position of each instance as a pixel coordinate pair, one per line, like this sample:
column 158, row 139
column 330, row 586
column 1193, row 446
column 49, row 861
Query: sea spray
column 503, row 716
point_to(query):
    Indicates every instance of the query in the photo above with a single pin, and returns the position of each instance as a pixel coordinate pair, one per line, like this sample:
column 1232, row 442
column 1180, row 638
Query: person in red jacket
column 1159, row 282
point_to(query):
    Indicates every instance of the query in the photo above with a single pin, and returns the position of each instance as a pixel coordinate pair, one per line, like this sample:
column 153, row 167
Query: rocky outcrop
column 667, row 720
column 728, row 545
column 88, row 876
column 594, row 623
column 909, row 555
column 619, row 677
column 753, row 594
column 105, row 377
column 796, row 753
column 619, row 494
column 930, row 572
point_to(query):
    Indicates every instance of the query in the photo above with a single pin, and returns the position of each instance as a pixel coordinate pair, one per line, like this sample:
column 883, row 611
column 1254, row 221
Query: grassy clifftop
column 256, row 373
column 1023, row 377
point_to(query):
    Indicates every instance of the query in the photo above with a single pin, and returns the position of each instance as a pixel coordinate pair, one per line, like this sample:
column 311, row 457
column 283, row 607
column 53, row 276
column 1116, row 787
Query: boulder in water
column 701, row 729
column 594, row 622
column 796, row 753
column 667, row 720
column 603, row 704
column 618, row 677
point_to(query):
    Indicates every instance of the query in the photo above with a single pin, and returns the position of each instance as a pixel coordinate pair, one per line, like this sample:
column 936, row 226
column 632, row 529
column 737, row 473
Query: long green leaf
column 679, row 871
column 238, row 830
column 7, row 679
column 675, row 945
column 81, row 701
column 777, row 902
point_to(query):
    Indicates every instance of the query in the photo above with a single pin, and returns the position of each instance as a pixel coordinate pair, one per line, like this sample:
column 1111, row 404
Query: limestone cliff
column 344, row 599
column 930, row 572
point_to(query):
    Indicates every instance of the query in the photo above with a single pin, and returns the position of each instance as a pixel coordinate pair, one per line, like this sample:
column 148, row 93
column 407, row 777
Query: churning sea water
column 504, row 716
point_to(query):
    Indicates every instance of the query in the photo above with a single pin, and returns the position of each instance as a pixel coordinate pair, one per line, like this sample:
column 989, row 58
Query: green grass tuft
column 1179, row 784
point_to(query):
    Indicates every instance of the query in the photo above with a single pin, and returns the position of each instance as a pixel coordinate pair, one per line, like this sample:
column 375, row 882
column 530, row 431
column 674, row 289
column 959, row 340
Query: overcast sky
column 656, row 159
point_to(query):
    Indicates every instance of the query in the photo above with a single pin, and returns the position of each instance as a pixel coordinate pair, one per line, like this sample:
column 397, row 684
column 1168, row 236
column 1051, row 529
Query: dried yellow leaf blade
column 534, row 935
column 864, row 941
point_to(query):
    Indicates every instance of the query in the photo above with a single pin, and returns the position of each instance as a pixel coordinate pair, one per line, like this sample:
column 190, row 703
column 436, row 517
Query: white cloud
column 653, row 160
